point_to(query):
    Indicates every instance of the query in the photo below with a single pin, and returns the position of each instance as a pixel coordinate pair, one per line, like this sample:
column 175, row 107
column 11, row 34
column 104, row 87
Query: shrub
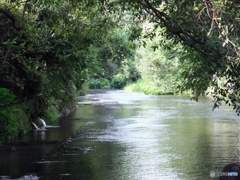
column 118, row 81
column 98, row 83
column 7, row 125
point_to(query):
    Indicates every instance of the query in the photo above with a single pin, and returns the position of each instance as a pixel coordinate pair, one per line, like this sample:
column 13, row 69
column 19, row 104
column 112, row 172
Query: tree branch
column 185, row 36
column 165, row 19
column 12, row 18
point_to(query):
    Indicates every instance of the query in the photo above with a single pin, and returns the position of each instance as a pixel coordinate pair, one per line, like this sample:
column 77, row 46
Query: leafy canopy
column 209, row 33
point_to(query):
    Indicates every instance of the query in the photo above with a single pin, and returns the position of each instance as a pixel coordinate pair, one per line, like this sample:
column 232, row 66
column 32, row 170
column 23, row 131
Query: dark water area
column 121, row 135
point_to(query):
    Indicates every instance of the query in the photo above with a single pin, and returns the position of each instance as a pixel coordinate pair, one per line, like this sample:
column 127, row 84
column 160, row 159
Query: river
column 128, row 136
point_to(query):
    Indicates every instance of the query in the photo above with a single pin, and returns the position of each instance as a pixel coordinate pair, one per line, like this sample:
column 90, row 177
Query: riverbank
column 17, row 119
column 152, row 88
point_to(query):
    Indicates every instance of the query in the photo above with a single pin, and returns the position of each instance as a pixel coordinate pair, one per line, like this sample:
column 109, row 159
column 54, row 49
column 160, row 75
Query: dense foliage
column 48, row 51
column 209, row 33
column 157, row 66
column 51, row 50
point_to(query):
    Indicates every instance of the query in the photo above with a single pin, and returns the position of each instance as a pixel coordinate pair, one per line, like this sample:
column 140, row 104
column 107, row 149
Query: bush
column 8, row 126
column 83, row 90
column 98, row 83
column 51, row 114
column 6, row 97
column 118, row 81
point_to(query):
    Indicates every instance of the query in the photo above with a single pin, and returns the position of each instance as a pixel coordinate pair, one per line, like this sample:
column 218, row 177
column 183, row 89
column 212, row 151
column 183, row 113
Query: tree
column 158, row 65
column 44, row 51
column 208, row 31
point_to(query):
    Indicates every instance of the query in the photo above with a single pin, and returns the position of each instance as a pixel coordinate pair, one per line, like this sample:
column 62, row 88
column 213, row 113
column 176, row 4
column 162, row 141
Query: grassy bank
column 152, row 88
column 149, row 88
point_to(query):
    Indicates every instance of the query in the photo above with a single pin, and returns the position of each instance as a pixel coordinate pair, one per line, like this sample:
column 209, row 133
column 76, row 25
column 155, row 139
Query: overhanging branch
column 186, row 36
column 12, row 18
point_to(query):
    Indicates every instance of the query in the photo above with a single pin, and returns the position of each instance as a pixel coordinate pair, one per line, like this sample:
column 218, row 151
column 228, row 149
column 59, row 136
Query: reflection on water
column 119, row 135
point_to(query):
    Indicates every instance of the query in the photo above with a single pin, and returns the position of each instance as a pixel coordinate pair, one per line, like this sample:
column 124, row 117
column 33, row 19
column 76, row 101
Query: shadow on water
column 120, row 135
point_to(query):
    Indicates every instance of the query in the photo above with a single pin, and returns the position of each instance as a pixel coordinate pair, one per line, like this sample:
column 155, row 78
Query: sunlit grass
column 150, row 88
column 147, row 88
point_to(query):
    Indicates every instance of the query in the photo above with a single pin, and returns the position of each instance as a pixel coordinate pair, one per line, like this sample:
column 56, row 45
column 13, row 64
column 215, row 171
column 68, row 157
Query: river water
column 120, row 135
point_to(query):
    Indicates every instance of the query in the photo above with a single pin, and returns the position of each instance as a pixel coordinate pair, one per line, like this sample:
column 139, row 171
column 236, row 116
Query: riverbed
column 120, row 135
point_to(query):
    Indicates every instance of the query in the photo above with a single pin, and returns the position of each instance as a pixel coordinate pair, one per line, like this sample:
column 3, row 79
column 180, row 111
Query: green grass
column 147, row 88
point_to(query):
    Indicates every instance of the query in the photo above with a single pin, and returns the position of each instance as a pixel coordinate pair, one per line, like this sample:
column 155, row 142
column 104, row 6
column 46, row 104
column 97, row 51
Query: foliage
column 129, row 70
column 7, row 124
column 48, row 49
column 98, row 83
column 147, row 88
column 83, row 90
column 211, row 30
column 51, row 114
column 114, row 55
column 119, row 81
column 160, row 67
column 108, row 55
column 209, row 34
column 6, row 97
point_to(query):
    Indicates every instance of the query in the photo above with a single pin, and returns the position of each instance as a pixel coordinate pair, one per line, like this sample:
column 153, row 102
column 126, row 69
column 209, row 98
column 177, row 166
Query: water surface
column 120, row 135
